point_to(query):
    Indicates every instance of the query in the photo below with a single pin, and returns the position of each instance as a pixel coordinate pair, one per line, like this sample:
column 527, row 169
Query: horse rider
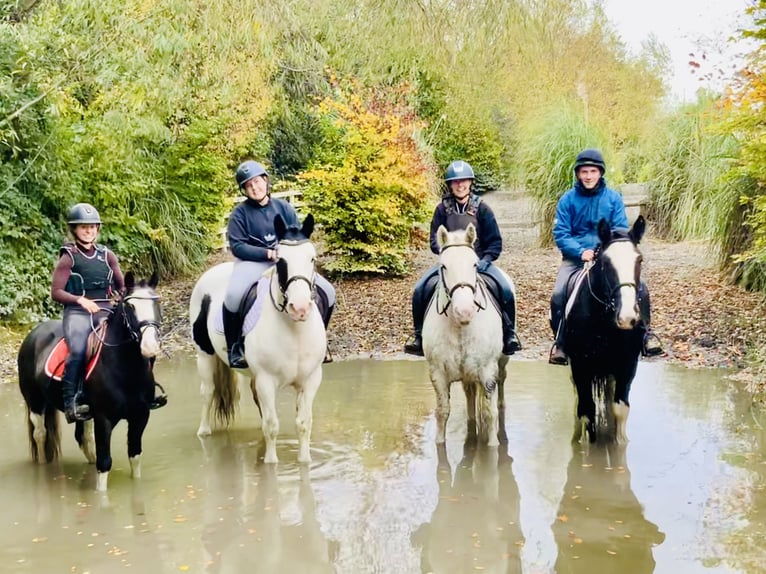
column 459, row 207
column 86, row 276
column 575, row 231
column 253, row 243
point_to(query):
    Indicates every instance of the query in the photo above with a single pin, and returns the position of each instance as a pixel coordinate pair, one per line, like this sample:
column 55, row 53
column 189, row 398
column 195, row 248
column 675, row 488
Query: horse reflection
column 268, row 525
column 476, row 522
column 600, row 526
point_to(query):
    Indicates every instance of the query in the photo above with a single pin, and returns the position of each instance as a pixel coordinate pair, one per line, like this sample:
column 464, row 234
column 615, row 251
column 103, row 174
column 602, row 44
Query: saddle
column 54, row 364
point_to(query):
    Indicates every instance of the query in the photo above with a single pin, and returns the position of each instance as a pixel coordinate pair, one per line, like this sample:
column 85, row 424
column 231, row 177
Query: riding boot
column 326, row 319
column 511, row 342
column 651, row 344
column 557, row 355
column 415, row 347
column 235, row 347
column 73, row 409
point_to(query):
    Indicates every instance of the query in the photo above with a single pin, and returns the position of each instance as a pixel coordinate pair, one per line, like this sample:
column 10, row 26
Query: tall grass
column 692, row 197
column 548, row 155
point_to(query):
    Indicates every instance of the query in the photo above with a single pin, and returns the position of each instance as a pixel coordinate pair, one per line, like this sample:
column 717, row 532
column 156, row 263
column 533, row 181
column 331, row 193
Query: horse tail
column 225, row 392
column 199, row 327
column 52, row 444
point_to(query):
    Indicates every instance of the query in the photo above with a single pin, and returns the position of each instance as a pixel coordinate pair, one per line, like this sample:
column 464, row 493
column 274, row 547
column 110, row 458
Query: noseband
column 141, row 326
column 451, row 291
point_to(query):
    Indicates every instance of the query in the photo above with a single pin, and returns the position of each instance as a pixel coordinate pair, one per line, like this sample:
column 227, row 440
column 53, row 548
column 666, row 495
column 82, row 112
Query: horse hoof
column 204, row 431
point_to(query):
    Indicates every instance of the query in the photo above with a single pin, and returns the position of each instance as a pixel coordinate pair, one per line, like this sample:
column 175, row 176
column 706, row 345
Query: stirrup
column 159, row 400
column 415, row 347
column 327, row 357
column 654, row 350
column 557, row 356
column 512, row 346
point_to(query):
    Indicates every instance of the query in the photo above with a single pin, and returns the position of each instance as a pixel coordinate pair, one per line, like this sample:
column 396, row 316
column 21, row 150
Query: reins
column 449, row 292
column 609, row 305
column 136, row 334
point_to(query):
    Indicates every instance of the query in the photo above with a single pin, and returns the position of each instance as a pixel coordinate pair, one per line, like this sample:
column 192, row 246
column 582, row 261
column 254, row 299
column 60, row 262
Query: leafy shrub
column 369, row 181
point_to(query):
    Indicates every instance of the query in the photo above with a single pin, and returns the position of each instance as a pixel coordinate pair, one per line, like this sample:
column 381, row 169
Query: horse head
column 457, row 271
column 140, row 308
column 620, row 263
column 295, row 268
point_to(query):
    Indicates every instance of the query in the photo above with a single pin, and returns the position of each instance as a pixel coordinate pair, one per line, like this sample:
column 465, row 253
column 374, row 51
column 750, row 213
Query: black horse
column 119, row 386
column 603, row 332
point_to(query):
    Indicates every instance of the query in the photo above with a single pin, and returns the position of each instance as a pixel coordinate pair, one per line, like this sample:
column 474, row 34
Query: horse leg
column 206, row 370
column 472, row 427
column 37, row 436
column 136, row 426
column 442, row 389
column 585, row 413
column 84, row 435
column 103, row 432
column 266, row 390
column 621, row 404
column 304, row 416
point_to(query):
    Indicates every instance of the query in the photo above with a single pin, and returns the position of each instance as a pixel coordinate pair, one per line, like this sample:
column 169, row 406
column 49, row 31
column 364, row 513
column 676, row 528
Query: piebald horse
column 463, row 337
column 603, row 333
column 285, row 348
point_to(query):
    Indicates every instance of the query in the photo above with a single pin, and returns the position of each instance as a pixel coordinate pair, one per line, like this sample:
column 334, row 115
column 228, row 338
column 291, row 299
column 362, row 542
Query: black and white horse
column 603, row 332
column 119, row 386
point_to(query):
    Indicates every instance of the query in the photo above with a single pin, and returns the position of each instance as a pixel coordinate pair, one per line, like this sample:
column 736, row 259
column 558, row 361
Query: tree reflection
column 600, row 525
column 476, row 522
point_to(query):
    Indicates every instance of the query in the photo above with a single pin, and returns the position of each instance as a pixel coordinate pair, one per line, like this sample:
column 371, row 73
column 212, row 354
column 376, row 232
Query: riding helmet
column 247, row 170
column 592, row 157
column 83, row 213
column 459, row 170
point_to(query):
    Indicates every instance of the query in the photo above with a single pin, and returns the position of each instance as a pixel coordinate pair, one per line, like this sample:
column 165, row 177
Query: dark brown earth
column 701, row 319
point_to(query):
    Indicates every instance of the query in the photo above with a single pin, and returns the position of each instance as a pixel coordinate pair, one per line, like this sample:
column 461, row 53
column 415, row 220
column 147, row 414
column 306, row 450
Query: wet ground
column 688, row 494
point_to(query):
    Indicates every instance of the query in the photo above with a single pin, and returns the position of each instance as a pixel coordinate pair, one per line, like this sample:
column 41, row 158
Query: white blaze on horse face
column 144, row 302
column 623, row 256
column 458, row 263
column 300, row 259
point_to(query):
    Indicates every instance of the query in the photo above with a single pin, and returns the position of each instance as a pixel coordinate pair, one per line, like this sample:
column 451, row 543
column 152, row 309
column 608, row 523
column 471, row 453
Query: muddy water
column 687, row 495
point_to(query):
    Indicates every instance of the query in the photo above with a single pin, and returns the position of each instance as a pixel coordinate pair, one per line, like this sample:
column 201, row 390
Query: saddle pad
column 575, row 281
column 253, row 314
column 54, row 364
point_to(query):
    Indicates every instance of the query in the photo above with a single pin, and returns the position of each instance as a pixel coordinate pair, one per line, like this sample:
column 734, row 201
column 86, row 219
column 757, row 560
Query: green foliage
column 369, row 187
column 548, row 158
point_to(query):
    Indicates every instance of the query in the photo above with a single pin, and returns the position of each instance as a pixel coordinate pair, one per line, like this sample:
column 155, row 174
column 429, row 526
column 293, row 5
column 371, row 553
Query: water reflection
column 268, row 521
column 600, row 524
column 476, row 522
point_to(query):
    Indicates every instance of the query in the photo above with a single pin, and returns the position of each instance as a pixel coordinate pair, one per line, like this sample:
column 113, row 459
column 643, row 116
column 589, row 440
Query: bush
column 369, row 181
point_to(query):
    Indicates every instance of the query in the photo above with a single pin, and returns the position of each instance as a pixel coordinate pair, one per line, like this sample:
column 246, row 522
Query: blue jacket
column 251, row 227
column 578, row 212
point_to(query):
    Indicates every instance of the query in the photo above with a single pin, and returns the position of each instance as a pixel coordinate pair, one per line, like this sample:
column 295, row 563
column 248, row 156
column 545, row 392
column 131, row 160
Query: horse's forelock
column 293, row 235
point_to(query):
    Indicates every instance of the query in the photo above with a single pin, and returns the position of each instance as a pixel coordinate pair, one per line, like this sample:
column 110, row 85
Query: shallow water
column 688, row 494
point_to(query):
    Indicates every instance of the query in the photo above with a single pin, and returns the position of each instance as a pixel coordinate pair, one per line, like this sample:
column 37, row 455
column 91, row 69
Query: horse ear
column 279, row 226
column 308, row 226
column 470, row 233
column 130, row 281
column 154, row 280
column 637, row 231
column 604, row 232
column 441, row 236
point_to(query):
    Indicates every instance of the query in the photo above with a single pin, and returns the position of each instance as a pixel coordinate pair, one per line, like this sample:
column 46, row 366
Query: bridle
column 311, row 282
column 611, row 292
column 450, row 291
column 135, row 329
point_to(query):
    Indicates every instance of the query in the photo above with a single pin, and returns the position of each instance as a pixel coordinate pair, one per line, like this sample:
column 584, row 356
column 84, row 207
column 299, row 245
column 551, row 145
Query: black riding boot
column 71, row 391
column 651, row 344
column 418, row 316
column 326, row 319
column 557, row 355
column 511, row 342
column 235, row 344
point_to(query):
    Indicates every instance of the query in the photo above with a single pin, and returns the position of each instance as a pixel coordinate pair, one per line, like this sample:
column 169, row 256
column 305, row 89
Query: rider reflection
column 600, row 524
column 476, row 522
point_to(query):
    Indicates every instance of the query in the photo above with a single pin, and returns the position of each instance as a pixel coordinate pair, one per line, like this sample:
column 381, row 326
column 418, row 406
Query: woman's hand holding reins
column 90, row 306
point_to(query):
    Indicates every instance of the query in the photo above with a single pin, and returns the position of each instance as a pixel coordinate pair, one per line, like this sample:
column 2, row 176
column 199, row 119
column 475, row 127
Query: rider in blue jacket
column 253, row 243
column 575, row 231
column 456, row 210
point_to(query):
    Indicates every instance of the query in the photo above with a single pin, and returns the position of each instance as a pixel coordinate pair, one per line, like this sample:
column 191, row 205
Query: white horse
column 463, row 338
column 285, row 348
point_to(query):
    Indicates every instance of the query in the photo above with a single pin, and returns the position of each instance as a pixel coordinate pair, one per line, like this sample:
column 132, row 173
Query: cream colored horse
column 463, row 337
column 285, row 348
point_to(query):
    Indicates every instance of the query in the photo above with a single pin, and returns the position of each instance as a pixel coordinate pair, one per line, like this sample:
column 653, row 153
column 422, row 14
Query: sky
column 684, row 27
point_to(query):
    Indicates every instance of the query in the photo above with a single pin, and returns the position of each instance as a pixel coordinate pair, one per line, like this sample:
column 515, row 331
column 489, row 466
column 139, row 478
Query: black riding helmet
column 591, row 157
column 83, row 213
column 459, row 170
column 247, row 170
